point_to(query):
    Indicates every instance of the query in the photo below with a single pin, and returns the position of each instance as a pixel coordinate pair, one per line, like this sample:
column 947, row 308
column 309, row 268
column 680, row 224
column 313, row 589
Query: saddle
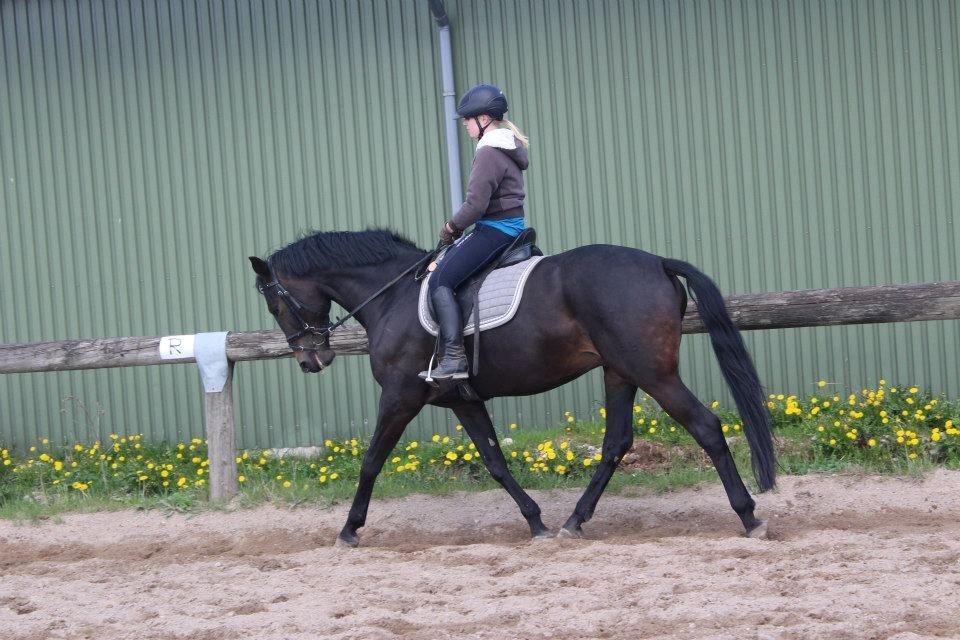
column 468, row 293
column 504, row 294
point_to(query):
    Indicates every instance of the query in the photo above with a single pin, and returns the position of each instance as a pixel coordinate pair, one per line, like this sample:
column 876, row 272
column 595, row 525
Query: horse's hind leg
column 479, row 427
column 616, row 441
column 674, row 397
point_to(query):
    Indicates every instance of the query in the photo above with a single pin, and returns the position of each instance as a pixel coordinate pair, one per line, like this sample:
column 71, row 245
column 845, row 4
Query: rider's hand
column 449, row 232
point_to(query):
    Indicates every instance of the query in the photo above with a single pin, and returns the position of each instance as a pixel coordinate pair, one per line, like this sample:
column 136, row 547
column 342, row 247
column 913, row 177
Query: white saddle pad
column 499, row 297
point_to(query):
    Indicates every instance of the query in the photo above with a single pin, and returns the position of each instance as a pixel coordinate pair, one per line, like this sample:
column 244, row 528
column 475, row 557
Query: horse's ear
column 260, row 267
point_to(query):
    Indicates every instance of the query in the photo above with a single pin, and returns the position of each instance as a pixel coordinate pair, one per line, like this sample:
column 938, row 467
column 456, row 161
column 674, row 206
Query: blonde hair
column 524, row 140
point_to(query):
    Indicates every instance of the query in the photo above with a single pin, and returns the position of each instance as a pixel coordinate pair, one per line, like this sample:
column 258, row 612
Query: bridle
column 294, row 306
column 327, row 328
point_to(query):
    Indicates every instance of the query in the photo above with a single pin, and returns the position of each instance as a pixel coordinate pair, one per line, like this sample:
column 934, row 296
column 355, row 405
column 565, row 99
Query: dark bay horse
column 595, row 306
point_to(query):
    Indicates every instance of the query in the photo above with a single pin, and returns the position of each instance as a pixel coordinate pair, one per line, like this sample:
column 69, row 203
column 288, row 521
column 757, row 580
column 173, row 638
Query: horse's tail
column 737, row 368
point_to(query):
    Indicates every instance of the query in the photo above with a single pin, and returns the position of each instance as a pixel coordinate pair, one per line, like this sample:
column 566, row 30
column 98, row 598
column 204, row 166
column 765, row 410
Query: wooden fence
column 810, row 308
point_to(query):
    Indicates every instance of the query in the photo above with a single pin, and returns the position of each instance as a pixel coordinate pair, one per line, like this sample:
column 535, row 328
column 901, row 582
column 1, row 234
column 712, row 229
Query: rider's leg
column 460, row 262
column 453, row 364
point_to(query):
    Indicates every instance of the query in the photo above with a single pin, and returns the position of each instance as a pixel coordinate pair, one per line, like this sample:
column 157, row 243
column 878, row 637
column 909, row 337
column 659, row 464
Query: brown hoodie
column 495, row 188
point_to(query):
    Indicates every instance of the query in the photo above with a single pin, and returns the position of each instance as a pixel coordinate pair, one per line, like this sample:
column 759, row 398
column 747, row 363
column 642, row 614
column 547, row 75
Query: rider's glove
column 449, row 232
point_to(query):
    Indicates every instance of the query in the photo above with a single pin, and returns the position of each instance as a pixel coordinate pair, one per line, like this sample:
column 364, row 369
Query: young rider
column 494, row 204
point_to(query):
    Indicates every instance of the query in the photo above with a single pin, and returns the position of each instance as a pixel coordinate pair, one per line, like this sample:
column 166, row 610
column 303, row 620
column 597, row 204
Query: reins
column 308, row 329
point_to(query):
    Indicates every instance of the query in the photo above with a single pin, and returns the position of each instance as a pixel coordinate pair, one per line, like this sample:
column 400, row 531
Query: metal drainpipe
column 449, row 103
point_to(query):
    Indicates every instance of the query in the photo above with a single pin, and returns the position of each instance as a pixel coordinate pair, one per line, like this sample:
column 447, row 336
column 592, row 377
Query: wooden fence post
column 221, row 440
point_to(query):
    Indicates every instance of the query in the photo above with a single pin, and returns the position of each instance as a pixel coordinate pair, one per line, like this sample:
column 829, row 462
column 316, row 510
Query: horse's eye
column 274, row 313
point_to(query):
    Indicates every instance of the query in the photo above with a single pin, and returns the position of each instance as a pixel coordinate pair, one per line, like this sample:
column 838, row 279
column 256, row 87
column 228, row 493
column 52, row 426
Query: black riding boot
column 453, row 364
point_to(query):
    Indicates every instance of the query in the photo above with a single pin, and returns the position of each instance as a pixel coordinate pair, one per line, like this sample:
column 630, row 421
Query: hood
column 504, row 140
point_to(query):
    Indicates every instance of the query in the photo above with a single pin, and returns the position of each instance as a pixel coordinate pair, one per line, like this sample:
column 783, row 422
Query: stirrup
column 427, row 376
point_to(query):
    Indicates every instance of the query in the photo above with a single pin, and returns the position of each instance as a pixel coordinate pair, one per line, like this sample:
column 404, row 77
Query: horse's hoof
column 343, row 542
column 543, row 535
column 759, row 531
column 575, row 534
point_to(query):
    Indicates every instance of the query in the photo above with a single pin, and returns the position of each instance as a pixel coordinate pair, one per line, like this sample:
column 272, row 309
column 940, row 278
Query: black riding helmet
column 482, row 99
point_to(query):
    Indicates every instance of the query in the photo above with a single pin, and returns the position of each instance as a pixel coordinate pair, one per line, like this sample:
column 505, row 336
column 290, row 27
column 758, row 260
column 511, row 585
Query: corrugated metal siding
column 148, row 148
column 777, row 145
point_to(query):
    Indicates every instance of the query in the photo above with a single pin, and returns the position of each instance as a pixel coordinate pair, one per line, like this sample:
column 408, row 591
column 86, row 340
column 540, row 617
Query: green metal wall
column 146, row 148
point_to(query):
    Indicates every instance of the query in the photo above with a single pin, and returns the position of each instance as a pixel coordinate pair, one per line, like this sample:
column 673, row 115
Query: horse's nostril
column 304, row 367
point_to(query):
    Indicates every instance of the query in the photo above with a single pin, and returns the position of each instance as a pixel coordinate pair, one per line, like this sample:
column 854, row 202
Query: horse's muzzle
column 315, row 361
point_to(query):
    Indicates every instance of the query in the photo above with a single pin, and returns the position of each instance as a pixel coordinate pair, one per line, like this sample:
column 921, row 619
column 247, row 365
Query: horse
column 606, row 306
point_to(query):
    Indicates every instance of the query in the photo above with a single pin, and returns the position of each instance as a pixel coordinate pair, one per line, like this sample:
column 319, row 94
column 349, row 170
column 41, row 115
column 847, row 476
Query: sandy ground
column 849, row 557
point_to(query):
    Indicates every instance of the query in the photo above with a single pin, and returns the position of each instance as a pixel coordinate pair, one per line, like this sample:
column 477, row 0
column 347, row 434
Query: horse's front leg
column 479, row 427
column 398, row 406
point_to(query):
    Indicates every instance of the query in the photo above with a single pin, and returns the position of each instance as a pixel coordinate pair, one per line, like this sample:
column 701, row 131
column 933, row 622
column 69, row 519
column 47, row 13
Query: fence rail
column 809, row 308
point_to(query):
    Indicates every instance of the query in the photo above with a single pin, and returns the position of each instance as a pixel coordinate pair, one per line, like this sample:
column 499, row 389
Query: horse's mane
column 324, row 250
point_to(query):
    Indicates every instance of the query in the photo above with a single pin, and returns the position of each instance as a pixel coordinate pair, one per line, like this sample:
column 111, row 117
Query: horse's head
column 303, row 314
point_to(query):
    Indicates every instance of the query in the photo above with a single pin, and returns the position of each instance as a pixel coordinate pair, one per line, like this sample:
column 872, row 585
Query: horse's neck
column 351, row 288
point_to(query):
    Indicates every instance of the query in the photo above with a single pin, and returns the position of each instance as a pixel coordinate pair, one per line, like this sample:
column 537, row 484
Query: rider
column 494, row 202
